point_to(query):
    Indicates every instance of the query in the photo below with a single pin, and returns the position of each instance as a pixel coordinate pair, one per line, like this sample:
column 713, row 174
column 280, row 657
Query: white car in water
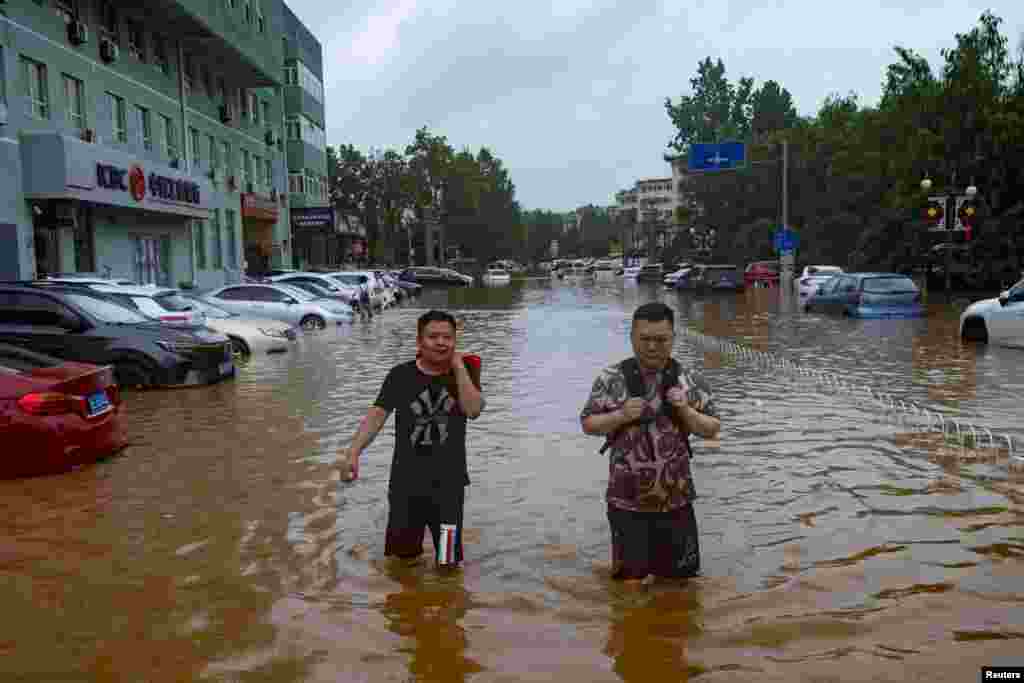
column 997, row 321
column 807, row 282
column 282, row 302
column 248, row 335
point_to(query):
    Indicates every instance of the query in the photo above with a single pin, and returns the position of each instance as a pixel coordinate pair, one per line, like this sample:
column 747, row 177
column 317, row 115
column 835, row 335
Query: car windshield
column 106, row 311
column 822, row 270
column 889, row 285
column 347, row 279
column 173, row 301
column 209, row 310
column 299, row 294
column 312, row 288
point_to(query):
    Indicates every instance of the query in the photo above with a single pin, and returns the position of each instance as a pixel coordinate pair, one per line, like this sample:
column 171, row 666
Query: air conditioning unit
column 109, row 51
column 226, row 115
column 78, row 32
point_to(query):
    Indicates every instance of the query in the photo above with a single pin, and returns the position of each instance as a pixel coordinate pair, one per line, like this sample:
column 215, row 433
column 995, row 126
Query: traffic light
column 935, row 213
column 966, row 213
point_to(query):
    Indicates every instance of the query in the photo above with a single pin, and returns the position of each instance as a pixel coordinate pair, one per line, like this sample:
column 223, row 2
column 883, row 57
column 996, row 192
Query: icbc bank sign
column 134, row 180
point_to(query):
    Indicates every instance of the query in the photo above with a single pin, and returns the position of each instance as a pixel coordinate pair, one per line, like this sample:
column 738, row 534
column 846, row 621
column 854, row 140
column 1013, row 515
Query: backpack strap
column 636, row 388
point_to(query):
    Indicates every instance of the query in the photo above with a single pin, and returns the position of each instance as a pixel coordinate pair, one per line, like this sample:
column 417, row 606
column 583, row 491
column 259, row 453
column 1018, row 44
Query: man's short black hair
column 655, row 312
column 434, row 316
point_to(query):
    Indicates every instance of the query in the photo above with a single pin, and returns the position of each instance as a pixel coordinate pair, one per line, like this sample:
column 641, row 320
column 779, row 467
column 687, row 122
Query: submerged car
column 56, row 414
column 868, row 295
column 282, row 302
column 88, row 327
column 996, row 321
column 248, row 336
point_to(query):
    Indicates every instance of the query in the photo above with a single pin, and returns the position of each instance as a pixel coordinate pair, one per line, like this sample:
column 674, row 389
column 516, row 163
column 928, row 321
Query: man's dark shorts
column 660, row 543
column 409, row 515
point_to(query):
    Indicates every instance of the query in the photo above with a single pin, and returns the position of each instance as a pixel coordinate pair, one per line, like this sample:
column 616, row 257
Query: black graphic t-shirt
column 430, row 430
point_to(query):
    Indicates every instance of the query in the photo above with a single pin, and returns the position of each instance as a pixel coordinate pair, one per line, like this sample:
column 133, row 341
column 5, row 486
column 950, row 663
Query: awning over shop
column 259, row 208
column 57, row 166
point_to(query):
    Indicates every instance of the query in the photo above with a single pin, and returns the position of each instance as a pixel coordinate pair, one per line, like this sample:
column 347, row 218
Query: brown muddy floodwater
column 837, row 544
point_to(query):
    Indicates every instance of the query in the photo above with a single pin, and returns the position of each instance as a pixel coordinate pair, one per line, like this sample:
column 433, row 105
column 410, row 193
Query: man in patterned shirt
column 650, row 489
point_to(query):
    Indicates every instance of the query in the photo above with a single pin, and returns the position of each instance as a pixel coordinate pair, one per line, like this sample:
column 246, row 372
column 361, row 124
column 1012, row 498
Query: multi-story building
column 144, row 141
column 315, row 228
column 654, row 201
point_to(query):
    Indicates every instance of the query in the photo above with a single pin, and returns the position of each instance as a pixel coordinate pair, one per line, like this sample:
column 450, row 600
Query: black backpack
column 637, row 389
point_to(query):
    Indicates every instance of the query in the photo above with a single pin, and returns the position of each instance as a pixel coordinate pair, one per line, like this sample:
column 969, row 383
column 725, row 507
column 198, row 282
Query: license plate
column 98, row 403
column 226, row 367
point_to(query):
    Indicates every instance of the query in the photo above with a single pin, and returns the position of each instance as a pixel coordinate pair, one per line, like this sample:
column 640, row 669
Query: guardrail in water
column 966, row 434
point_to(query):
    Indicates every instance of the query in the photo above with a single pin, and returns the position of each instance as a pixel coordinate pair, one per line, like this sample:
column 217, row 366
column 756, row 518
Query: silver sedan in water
column 280, row 302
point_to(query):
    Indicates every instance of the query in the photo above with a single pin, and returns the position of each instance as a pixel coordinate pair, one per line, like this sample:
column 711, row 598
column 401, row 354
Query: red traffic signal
column 966, row 214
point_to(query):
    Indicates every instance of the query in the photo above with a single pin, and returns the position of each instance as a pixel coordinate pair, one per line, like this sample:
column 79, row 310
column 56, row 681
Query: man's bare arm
column 368, row 430
column 604, row 423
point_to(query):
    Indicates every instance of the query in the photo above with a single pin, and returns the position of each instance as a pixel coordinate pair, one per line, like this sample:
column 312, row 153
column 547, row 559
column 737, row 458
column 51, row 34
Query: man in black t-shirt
column 433, row 396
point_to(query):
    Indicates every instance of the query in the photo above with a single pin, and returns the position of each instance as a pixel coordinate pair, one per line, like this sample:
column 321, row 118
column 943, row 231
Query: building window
column 108, row 21
column 160, row 54
column 261, row 25
column 33, row 75
column 268, row 173
column 199, row 234
column 197, row 155
column 136, row 42
column 229, row 227
column 222, row 89
column 218, row 248
column 246, row 176
column 207, row 80
column 146, row 122
column 310, row 83
column 294, row 127
column 291, row 75
column 248, row 12
column 188, row 71
column 170, row 138
column 254, row 108
column 212, row 146
column 74, row 101
column 226, row 155
column 296, row 183
column 231, row 4
column 66, row 10
column 119, row 117
column 266, row 112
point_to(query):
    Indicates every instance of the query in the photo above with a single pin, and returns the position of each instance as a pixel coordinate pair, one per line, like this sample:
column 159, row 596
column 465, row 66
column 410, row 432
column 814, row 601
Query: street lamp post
column 969, row 194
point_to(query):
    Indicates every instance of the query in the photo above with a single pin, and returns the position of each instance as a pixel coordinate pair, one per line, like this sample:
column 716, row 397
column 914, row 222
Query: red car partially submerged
column 55, row 414
column 761, row 274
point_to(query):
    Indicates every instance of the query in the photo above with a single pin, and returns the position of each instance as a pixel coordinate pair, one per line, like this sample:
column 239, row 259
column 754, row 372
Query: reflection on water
column 837, row 542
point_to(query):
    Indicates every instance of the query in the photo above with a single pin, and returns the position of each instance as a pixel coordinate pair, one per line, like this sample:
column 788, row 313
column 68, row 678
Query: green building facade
column 150, row 145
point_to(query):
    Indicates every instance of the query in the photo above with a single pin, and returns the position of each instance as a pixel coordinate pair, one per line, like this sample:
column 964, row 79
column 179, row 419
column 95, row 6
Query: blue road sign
column 720, row 156
column 785, row 240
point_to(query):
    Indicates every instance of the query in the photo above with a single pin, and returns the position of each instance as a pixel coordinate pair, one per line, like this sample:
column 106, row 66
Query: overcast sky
column 570, row 95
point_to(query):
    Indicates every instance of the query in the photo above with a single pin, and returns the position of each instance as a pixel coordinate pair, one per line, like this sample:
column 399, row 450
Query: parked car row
column 69, row 344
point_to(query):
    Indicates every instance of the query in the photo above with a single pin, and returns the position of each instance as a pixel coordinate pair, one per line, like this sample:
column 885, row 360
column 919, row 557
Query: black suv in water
column 86, row 326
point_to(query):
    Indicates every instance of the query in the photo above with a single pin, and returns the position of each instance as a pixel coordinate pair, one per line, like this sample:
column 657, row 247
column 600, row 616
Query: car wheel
column 132, row 373
column 975, row 330
column 239, row 349
column 312, row 322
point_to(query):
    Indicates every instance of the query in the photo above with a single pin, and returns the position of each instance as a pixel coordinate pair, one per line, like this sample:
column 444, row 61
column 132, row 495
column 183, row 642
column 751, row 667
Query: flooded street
column 837, row 544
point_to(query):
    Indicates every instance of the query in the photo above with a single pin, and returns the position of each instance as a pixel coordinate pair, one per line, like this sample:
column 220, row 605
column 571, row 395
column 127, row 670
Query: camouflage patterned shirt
column 649, row 465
